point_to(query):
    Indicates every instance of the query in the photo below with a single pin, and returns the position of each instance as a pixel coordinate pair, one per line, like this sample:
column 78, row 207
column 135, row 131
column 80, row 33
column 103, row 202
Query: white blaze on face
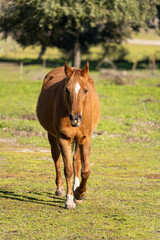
column 77, row 88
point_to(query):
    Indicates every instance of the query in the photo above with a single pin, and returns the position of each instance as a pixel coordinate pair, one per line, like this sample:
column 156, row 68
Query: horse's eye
column 67, row 91
column 86, row 90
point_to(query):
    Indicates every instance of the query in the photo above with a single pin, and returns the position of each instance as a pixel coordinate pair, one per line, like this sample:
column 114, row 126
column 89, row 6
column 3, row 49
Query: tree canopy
column 73, row 25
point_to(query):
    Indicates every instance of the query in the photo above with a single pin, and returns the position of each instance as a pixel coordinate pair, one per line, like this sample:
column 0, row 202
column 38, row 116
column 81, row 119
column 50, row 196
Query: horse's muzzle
column 75, row 120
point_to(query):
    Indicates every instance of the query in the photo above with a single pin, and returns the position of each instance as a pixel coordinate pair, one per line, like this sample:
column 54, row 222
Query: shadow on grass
column 55, row 202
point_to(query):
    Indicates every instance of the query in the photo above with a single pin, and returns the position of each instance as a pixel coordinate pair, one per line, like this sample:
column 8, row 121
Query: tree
column 51, row 23
column 158, row 13
column 73, row 25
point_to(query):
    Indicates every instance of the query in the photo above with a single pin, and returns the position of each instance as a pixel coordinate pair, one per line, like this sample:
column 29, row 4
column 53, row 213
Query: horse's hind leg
column 77, row 165
column 56, row 157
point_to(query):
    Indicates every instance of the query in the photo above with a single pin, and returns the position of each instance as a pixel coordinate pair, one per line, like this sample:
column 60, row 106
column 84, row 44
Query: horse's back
column 54, row 76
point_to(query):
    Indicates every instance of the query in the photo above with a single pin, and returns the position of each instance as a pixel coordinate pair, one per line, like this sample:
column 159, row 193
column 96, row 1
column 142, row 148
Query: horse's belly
column 45, row 114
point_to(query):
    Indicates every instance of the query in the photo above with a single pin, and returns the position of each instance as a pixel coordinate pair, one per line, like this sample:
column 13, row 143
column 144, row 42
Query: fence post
column 44, row 63
column 154, row 61
column 134, row 65
column 21, row 70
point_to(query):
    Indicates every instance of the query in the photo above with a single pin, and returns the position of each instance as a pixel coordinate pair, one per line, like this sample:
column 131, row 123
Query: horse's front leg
column 85, row 171
column 77, row 165
column 65, row 146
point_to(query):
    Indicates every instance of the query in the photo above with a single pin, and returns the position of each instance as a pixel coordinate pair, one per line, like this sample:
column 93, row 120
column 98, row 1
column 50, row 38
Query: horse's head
column 75, row 92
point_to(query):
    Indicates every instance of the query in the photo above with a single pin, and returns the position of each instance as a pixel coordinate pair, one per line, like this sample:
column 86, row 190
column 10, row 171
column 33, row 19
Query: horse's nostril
column 75, row 119
column 80, row 117
column 71, row 117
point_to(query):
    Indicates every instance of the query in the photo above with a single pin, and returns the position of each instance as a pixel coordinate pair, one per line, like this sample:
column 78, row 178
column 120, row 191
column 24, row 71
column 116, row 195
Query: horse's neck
column 91, row 81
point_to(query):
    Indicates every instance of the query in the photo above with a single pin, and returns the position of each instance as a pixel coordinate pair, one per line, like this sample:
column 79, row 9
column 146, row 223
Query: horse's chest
column 76, row 134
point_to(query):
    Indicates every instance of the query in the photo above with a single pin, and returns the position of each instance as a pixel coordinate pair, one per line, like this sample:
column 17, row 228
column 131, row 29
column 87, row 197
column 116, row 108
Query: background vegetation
column 74, row 25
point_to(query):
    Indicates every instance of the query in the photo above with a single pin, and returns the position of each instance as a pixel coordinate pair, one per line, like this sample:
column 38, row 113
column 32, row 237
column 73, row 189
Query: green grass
column 141, row 52
column 10, row 49
column 122, row 199
column 151, row 34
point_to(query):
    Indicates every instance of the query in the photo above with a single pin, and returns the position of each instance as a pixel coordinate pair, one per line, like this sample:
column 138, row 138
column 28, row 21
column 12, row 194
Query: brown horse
column 68, row 108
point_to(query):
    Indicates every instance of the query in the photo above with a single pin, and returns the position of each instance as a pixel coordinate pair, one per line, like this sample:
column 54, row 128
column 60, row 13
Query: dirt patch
column 112, row 118
column 27, row 150
column 21, row 133
column 137, row 139
column 9, row 64
column 118, row 77
column 7, row 140
column 148, row 100
column 29, row 117
column 94, row 134
column 9, row 175
column 102, row 133
column 153, row 176
column 102, row 96
column 10, row 144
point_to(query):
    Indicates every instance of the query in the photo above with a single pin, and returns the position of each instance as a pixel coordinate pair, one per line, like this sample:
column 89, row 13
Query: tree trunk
column 43, row 49
column 105, row 59
column 77, row 54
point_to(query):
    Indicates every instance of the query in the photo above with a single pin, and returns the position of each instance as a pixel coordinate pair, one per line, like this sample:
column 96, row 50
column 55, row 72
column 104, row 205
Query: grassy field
column 151, row 34
column 123, row 197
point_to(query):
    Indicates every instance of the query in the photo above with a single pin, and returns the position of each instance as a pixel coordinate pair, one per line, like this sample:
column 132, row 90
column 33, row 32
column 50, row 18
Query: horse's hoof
column 78, row 201
column 60, row 192
column 78, row 195
column 70, row 204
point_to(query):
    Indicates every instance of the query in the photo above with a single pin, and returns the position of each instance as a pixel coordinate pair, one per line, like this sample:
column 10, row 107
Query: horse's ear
column 85, row 70
column 68, row 70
